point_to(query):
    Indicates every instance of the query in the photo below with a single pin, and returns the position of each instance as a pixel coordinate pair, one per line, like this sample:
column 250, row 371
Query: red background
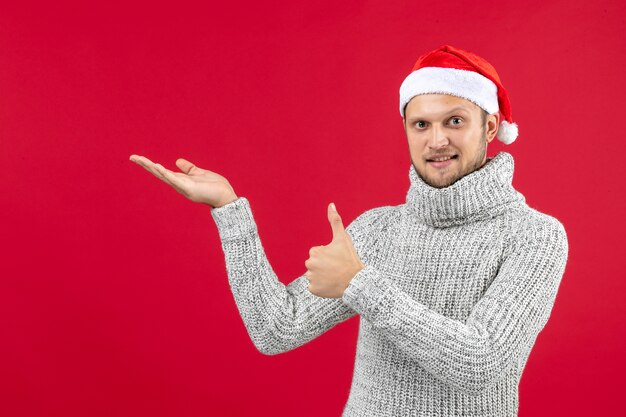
column 114, row 299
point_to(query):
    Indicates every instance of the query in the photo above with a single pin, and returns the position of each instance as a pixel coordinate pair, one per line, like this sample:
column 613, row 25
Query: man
column 452, row 287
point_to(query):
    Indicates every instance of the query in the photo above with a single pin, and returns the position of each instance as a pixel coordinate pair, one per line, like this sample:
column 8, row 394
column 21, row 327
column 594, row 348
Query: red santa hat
column 450, row 70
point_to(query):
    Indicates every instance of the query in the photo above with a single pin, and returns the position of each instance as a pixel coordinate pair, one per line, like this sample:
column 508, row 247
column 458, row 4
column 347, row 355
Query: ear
column 493, row 122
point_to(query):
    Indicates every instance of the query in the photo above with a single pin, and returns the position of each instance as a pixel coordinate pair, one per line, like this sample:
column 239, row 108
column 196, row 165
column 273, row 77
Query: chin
column 443, row 184
column 436, row 182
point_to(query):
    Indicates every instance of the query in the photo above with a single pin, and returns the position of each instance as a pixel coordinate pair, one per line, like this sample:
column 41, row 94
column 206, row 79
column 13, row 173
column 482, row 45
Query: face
column 441, row 126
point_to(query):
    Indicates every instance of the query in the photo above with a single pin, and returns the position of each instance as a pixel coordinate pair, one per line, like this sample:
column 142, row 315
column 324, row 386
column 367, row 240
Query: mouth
column 442, row 161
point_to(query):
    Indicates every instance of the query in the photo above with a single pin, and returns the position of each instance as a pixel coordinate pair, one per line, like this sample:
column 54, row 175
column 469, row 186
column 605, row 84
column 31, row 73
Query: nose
column 438, row 138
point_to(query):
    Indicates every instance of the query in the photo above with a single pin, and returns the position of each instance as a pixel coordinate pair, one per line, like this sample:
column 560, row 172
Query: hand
column 330, row 268
column 197, row 184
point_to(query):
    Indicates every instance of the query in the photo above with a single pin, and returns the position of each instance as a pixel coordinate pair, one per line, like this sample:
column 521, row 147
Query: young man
column 452, row 287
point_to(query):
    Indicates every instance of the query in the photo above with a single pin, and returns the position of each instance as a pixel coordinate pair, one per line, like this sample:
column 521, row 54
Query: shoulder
column 532, row 227
column 370, row 220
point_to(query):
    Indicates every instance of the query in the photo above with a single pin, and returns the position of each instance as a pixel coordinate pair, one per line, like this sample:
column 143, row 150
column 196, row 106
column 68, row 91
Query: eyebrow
column 453, row 110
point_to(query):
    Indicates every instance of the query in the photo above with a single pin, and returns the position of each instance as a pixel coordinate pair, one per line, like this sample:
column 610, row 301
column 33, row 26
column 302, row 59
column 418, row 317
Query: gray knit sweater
column 458, row 283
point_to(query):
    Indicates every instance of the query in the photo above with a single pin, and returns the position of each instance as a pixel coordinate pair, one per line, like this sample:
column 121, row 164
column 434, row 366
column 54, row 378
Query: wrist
column 354, row 276
column 226, row 201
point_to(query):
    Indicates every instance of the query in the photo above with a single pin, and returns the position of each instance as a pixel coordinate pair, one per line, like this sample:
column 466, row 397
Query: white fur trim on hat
column 507, row 132
column 469, row 85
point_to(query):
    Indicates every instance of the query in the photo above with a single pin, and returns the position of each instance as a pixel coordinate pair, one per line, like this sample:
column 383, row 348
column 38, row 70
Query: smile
column 441, row 162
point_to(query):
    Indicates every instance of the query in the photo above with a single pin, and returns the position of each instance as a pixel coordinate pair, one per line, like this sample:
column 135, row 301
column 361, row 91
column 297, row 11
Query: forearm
column 278, row 318
column 459, row 354
column 470, row 355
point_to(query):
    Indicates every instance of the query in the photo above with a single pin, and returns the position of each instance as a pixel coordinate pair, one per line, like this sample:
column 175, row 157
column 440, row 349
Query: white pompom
column 507, row 132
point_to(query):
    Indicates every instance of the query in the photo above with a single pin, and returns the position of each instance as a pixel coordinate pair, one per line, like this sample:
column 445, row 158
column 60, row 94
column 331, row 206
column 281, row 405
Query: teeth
column 442, row 159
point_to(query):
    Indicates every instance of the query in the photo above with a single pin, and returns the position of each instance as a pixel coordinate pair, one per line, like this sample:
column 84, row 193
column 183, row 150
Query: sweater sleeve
column 499, row 331
column 278, row 317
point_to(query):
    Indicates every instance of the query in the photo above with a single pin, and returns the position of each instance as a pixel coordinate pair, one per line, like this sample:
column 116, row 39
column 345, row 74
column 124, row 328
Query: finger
column 158, row 171
column 161, row 173
column 335, row 222
column 186, row 166
column 169, row 177
column 148, row 165
column 137, row 158
column 140, row 160
column 166, row 175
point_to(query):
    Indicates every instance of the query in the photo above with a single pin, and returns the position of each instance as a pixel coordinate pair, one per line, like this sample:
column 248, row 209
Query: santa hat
column 449, row 70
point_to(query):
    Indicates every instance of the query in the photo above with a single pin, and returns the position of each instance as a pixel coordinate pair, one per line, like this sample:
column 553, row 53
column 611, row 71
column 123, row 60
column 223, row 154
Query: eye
column 420, row 124
column 456, row 121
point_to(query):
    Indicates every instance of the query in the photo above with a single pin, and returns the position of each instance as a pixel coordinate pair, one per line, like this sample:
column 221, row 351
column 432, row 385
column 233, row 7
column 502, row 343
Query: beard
column 475, row 164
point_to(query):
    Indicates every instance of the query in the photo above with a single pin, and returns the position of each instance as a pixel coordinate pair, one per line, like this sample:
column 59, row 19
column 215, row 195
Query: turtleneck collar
column 485, row 193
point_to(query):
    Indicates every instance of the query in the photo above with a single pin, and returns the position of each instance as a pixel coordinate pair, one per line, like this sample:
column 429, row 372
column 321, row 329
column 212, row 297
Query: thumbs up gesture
column 330, row 268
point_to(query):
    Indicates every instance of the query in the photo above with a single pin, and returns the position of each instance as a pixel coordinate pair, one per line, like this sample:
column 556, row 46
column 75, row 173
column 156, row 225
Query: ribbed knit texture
column 458, row 283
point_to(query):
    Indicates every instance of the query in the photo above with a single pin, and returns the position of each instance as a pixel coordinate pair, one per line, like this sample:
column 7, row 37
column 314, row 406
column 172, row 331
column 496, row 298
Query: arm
column 278, row 318
column 500, row 330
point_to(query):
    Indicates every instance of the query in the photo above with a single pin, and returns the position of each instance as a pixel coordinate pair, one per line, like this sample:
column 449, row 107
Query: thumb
column 335, row 222
column 186, row 166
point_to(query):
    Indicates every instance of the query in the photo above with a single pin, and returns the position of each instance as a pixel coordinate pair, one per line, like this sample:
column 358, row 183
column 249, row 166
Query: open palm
column 197, row 184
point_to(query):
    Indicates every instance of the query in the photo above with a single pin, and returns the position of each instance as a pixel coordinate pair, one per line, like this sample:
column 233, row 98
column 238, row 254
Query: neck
column 482, row 194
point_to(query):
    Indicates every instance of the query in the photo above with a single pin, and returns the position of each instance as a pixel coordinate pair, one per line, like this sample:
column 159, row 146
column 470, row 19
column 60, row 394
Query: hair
column 483, row 118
